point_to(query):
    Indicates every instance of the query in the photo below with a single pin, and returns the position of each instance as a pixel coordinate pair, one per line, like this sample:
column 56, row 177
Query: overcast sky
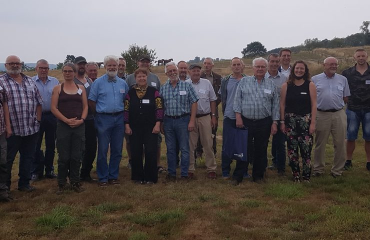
column 34, row 29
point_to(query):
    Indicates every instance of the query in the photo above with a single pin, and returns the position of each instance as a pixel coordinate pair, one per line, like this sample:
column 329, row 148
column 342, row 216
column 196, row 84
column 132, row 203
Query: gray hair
column 109, row 58
column 259, row 59
column 42, row 61
column 169, row 64
column 238, row 58
column 272, row 55
column 326, row 59
column 92, row 63
column 208, row 58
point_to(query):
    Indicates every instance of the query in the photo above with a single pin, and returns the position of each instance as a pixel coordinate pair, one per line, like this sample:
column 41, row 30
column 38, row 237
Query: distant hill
column 51, row 66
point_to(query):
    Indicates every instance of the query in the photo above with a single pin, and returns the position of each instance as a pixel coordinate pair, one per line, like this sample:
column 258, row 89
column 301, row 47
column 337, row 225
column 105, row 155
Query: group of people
column 84, row 114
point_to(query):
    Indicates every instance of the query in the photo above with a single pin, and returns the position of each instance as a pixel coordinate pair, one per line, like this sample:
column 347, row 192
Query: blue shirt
column 257, row 100
column 331, row 91
column 46, row 89
column 178, row 100
column 278, row 80
column 231, row 89
column 108, row 95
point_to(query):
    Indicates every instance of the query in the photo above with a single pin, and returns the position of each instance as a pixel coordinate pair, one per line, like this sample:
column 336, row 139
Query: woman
column 143, row 116
column 298, row 115
column 69, row 105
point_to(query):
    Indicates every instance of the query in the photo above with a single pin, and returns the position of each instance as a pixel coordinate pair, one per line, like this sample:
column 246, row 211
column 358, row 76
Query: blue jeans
column 26, row 146
column 110, row 132
column 278, row 150
column 354, row 119
column 45, row 162
column 177, row 130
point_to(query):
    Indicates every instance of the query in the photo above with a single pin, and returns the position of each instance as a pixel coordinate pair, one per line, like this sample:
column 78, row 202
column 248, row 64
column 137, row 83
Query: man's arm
column 92, row 106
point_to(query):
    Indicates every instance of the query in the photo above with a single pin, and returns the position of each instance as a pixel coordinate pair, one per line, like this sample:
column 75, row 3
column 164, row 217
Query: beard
column 112, row 74
column 13, row 71
column 81, row 71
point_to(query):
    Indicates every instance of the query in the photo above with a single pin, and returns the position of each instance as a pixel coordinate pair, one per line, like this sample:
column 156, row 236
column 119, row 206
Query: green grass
column 60, row 217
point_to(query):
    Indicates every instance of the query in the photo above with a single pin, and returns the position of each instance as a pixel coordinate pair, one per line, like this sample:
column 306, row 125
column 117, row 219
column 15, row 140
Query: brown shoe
column 190, row 175
column 103, row 184
column 114, row 182
column 212, row 175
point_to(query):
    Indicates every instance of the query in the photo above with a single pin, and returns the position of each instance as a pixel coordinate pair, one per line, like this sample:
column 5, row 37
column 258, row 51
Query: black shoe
column 348, row 165
column 368, row 166
column 50, row 175
column 234, row 182
column 28, row 188
column 170, row 178
column 77, row 187
column 88, row 179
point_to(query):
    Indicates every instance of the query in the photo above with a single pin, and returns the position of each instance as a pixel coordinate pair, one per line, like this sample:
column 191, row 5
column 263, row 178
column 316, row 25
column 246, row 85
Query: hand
column 76, row 123
column 214, row 122
column 70, row 121
column 191, row 126
column 273, row 129
column 128, row 130
column 239, row 123
column 8, row 132
column 282, row 127
column 156, row 129
column 312, row 128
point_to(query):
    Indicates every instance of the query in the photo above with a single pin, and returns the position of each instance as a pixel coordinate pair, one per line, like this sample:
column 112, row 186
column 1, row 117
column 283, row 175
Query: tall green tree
column 254, row 49
column 132, row 56
column 365, row 31
column 70, row 58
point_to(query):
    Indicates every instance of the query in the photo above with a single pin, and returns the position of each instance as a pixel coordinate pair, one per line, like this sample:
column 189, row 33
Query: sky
column 182, row 30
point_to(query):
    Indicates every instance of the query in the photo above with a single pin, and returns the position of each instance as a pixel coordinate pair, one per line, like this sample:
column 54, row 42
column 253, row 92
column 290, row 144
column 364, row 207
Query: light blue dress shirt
column 46, row 89
column 108, row 95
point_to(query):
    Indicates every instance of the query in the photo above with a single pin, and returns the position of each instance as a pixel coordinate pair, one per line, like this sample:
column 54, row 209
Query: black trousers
column 142, row 139
column 90, row 148
column 258, row 138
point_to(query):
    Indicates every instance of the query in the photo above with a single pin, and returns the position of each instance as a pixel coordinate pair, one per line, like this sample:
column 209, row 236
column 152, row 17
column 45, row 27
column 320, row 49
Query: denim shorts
column 353, row 124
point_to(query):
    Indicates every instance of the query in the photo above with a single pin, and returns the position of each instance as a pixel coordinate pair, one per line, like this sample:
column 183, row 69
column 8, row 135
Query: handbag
column 235, row 143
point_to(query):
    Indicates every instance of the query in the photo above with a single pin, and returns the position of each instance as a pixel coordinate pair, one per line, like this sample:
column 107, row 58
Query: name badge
column 145, row 100
column 79, row 91
column 340, row 88
column 268, row 91
column 202, row 91
column 87, row 85
column 154, row 84
column 303, row 93
column 182, row 92
column 367, row 81
column 122, row 91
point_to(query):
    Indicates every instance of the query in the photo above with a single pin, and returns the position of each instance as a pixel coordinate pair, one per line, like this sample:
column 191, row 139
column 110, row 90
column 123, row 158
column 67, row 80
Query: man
column 152, row 80
column 92, row 70
column 227, row 92
column 48, row 124
column 180, row 104
column 278, row 150
column 332, row 95
column 122, row 69
column 204, row 122
column 256, row 106
column 106, row 98
column 358, row 108
column 183, row 70
column 215, row 80
column 90, row 132
column 25, row 115
column 285, row 57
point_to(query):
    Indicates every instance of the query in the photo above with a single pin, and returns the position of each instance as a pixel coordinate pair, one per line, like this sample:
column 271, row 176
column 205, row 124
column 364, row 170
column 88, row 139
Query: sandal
column 161, row 169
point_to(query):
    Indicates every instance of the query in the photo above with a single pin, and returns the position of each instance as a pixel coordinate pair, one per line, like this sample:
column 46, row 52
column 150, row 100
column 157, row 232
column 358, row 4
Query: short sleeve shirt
column 206, row 94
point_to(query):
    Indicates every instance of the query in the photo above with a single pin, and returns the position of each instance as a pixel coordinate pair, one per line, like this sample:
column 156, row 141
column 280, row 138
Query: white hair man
column 106, row 98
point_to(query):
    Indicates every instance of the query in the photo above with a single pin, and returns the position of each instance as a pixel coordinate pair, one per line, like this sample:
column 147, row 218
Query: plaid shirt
column 22, row 101
column 257, row 100
column 177, row 101
column 3, row 98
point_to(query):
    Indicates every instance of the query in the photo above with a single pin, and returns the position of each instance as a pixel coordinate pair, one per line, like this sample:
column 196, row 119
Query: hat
column 143, row 57
column 195, row 65
column 80, row 59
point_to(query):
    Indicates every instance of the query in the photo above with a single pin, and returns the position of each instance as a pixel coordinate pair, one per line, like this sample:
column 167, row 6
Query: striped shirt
column 178, row 100
column 3, row 99
column 257, row 100
column 22, row 102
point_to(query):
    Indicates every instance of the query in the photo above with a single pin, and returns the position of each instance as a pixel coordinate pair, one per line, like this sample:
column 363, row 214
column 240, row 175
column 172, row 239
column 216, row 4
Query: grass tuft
column 285, row 191
column 150, row 219
column 58, row 218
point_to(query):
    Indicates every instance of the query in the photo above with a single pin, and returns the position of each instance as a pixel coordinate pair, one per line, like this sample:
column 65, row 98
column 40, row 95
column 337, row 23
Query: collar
column 38, row 79
column 327, row 77
column 140, row 89
column 268, row 75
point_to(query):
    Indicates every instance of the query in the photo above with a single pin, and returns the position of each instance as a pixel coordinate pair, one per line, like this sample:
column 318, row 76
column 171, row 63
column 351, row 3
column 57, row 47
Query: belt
column 180, row 116
column 256, row 120
column 329, row 110
column 112, row 114
column 202, row 115
column 47, row 112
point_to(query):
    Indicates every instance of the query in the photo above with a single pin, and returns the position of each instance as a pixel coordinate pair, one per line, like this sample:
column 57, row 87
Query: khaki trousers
column 334, row 123
column 203, row 129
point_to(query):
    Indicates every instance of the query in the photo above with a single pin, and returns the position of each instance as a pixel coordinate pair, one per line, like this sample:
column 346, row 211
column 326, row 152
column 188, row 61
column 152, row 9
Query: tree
column 59, row 65
column 365, row 31
column 70, row 58
column 132, row 56
column 254, row 49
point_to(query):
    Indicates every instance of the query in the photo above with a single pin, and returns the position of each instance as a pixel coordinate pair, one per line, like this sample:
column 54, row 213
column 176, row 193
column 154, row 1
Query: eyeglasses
column 260, row 67
column 332, row 64
column 14, row 63
column 121, row 65
column 68, row 71
column 43, row 68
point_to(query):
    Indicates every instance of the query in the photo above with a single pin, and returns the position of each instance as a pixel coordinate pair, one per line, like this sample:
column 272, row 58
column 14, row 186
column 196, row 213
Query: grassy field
column 327, row 208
